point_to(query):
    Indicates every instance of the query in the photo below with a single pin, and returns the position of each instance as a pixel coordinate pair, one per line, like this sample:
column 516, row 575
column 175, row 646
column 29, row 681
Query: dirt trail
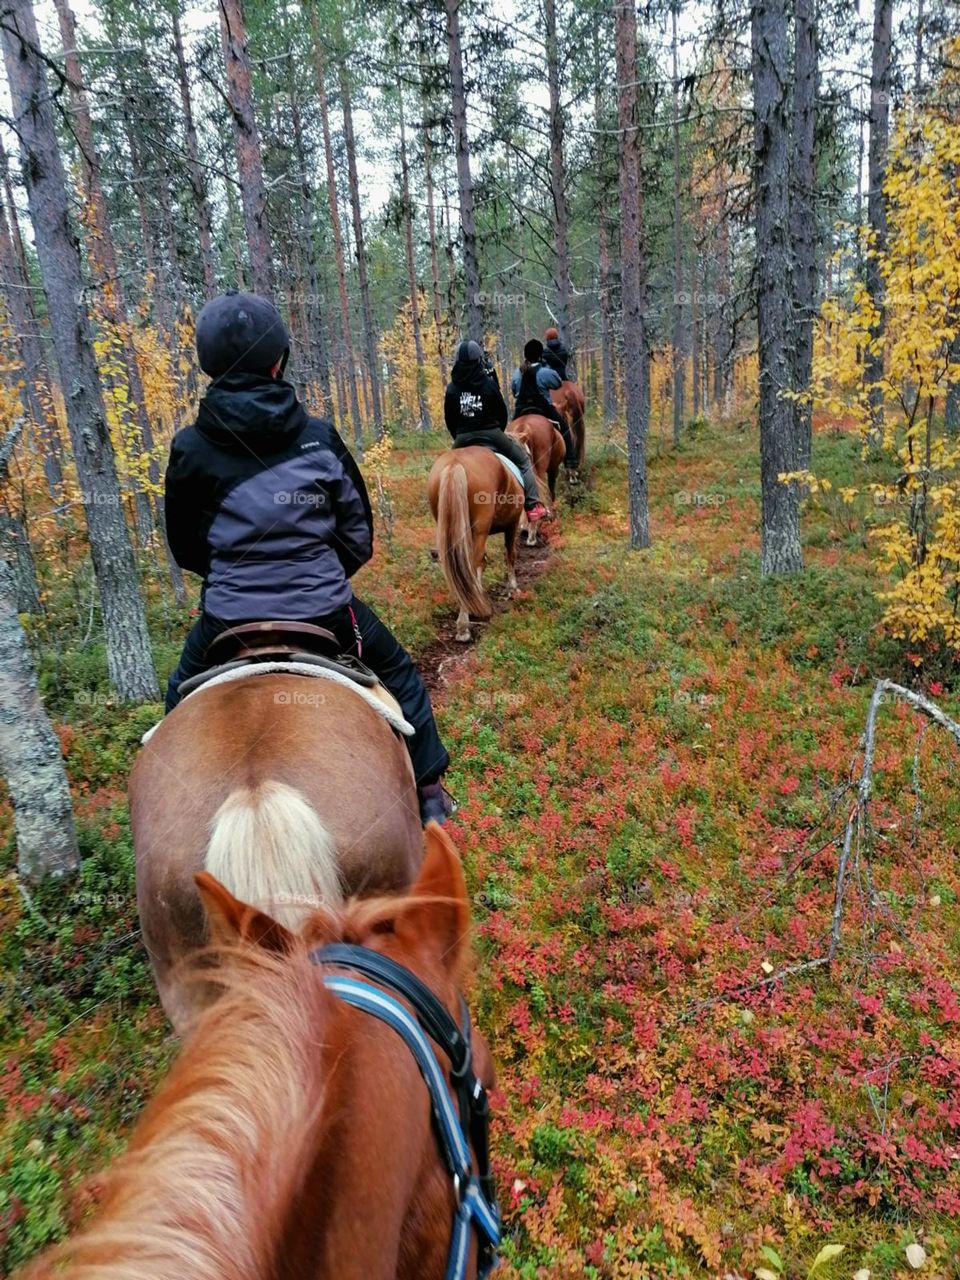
column 444, row 660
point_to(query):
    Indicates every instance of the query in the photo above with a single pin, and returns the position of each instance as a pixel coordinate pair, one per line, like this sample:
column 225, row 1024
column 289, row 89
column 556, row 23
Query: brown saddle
column 256, row 642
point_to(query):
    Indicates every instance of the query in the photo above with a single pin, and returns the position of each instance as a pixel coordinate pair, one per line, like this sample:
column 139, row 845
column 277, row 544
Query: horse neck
column 204, row 1189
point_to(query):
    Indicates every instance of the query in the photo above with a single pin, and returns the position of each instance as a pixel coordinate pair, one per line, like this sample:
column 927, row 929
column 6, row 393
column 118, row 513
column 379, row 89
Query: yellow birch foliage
column 917, row 541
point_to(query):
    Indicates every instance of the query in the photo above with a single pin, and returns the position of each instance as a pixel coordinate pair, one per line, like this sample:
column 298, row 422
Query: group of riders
column 266, row 504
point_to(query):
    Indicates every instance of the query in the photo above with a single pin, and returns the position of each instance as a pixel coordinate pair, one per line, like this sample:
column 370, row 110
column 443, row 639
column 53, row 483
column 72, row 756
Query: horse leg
column 510, row 539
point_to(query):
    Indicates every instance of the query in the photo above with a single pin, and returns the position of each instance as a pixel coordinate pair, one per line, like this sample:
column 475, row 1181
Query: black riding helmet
column 241, row 333
column 533, row 351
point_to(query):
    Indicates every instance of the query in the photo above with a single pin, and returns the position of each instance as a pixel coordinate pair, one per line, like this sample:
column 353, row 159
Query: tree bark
column 348, row 359
column 128, row 644
column 876, row 204
column 37, row 395
column 678, row 378
column 369, row 331
column 425, row 423
column 803, row 217
column 434, row 251
column 632, row 258
column 781, row 510
column 30, row 758
column 253, row 192
column 558, row 180
column 198, row 185
column 103, row 257
column 461, row 142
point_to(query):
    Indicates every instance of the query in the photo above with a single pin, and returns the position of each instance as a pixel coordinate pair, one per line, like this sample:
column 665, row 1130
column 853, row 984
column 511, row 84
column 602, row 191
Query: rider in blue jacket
column 267, row 505
column 531, row 386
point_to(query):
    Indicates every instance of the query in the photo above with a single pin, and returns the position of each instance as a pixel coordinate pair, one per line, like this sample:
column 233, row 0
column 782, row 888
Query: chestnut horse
column 293, row 1135
column 289, row 789
column 569, row 400
column 472, row 493
column 544, row 443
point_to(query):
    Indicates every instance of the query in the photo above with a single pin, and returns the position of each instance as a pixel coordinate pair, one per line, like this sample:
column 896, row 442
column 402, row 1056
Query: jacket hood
column 247, row 410
column 468, row 369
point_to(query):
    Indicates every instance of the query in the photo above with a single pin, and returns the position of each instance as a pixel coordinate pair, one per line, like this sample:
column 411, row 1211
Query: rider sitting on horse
column 267, row 505
column 555, row 354
column 475, row 413
column 532, row 384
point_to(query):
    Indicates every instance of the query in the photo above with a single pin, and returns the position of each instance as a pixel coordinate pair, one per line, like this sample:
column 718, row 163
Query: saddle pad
column 379, row 698
column 512, row 468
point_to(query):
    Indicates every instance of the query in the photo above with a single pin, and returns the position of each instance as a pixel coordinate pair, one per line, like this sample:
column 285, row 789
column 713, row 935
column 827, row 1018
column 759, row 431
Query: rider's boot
column 436, row 802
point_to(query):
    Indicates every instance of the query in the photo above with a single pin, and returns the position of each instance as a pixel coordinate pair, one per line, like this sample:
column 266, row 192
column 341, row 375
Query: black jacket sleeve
column 185, row 503
column 451, row 410
column 495, row 407
column 354, row 537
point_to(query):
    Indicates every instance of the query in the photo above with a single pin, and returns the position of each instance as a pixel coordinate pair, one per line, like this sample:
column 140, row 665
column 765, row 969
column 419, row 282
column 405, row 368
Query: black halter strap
column 437, row 1023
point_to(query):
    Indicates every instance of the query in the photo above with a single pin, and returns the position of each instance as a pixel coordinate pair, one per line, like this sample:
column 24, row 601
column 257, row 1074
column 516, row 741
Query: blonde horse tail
column 270, row 849
column 455, row 542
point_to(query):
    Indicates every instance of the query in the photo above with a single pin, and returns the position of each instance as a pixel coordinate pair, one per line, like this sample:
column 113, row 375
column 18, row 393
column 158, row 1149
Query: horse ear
column 441, row 921
column 230, row 921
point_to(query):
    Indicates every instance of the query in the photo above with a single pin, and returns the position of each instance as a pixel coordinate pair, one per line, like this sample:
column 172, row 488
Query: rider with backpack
column 532, row 384
column 475, row 413
column 266, row 504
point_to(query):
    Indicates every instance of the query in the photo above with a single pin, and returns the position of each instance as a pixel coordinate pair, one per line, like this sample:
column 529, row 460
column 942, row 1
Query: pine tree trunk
column 253, row 194
column 803, row 217
column 461, row 142
column 103, row 257
column 369, row 331
column 434, row 252
column 313, row 310
column 347, row 357
column 128, row 645
column 678, row 378
column 778, row 453
column 604, row 282
column 695, row 328
column 30, row 759
column 14, row 538
column 425, row 423
column 558, row 182
column 198, row 186
column 876, row 168
column 632, row 255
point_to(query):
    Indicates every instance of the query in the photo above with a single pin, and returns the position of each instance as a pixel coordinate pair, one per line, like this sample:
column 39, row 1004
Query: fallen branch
column 858, row 820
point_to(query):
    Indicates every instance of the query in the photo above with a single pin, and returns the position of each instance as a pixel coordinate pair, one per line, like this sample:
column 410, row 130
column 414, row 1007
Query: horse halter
column 476, row 1203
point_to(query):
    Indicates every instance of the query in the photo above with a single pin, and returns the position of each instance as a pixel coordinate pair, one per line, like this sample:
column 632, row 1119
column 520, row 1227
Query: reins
column 476, row 1204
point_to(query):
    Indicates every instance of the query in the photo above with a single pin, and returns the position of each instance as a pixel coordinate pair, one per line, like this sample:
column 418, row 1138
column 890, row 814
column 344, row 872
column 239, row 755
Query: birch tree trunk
column 18, row 295
column 803, row 217
column 632, row 254
column 253, row 194
column 461, row 142
column 778, row 453
column 128, row 645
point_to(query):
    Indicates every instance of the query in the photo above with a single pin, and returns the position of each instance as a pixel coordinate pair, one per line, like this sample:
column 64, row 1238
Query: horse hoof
column 463, row 639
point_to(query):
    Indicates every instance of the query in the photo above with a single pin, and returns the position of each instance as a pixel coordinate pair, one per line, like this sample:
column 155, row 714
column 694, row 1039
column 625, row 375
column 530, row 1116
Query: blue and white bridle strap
column 472, row 1207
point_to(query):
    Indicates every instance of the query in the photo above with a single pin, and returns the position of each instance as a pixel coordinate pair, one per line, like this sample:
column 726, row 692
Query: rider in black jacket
column 267, row 505
column 476, row 413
